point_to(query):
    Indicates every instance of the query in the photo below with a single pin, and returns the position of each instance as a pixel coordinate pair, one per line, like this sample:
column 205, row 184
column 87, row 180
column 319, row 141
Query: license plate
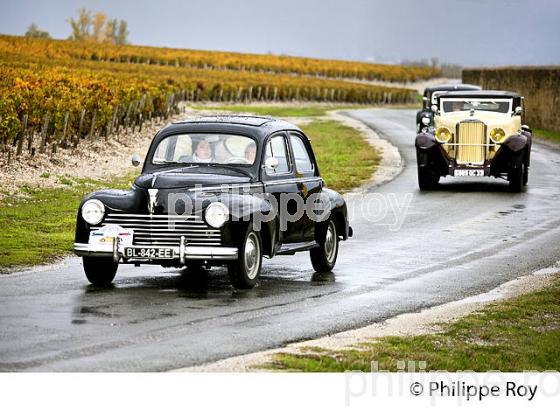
column 149, row 253
column 469, row 173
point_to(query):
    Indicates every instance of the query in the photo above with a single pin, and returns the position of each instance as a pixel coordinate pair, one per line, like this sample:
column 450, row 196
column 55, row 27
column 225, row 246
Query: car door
column 281, row 181
column 308, row 180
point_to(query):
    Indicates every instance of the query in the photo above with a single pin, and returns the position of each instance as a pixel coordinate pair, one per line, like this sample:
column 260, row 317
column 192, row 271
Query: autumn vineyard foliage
column 63, row 91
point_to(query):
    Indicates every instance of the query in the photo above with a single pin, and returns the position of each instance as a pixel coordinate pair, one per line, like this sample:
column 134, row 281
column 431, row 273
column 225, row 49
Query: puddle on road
column 134, row 299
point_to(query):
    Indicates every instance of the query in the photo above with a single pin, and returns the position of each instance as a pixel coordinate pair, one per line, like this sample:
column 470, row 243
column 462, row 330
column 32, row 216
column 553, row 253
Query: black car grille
column 166, row 229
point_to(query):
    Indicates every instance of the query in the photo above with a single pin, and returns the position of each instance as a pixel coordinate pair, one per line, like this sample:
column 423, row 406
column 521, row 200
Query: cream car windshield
column 205, row 148
column 497, row 105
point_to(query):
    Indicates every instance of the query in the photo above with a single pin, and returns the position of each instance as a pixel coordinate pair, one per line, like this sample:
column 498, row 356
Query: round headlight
column 497, row 135
column 425, row 120
column 216, row 214
column 93, row 211
column 443, row 135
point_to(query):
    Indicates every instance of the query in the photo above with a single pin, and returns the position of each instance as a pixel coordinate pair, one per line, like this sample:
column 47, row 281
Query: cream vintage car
column 475, row 134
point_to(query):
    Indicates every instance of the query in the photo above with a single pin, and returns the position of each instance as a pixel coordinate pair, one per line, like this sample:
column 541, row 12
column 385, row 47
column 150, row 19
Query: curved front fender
column 130, row 201
column 425, row 141
column 516, row 143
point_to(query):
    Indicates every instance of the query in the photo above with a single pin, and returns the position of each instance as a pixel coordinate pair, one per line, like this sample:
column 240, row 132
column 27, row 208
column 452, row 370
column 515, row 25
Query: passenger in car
column 203, row 152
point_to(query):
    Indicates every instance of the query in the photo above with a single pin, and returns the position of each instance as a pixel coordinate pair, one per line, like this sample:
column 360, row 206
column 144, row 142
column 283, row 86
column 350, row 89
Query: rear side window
column 276, row 148
column 301, row 156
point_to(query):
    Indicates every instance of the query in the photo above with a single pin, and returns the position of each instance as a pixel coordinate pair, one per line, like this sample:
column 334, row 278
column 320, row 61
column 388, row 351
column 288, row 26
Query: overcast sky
column 467, row 32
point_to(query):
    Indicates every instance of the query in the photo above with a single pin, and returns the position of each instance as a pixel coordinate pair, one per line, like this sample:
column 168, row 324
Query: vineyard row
column 91, row 51
column 48, row 134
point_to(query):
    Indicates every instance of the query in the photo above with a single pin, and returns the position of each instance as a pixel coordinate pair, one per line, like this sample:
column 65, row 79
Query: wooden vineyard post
column 29, row 140
column 127, row 116
column 21, row 134
column 79, row 131
column 63, row 142
column 44, row 132
column 92, row 128
column 113, row 118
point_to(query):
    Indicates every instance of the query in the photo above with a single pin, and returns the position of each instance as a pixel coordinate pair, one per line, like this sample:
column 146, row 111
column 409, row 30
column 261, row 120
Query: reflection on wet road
column 465, row 238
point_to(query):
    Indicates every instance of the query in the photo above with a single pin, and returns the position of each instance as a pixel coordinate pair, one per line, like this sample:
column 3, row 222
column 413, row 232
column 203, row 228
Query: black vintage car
column 476, row 134
column 425, row 117
column 222, row 190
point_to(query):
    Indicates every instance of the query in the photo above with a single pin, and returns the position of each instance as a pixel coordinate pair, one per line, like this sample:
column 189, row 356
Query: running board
column 292, row 248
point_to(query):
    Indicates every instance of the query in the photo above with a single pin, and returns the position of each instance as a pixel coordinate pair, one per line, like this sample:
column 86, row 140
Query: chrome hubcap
column 331, row 242
column 252, row 255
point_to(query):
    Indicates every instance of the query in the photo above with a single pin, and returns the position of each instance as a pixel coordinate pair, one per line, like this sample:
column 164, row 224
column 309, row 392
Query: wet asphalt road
column 463, row 239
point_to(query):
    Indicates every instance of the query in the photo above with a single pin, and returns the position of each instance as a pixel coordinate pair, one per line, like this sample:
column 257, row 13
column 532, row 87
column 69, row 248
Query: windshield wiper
column 228, row 166
column 184, row 164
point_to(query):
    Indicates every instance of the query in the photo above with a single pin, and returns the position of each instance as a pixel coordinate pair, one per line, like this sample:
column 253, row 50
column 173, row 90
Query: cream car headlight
column 497, row 135
column 216, row 214
column 425, row 120
column 443, row 135
column 93, row 211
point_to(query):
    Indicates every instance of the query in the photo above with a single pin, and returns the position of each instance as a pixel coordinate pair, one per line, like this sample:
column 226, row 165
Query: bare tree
column 81, row 26
column 34, row 31
column 98, row 27
column 111, row 30
column 435, row 62
column 122, row 35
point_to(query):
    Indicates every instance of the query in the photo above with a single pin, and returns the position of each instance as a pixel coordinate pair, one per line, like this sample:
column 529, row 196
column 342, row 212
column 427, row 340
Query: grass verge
column 345, row 159
column 295, row 110
column 553, row 136
column 40, row 227
column 513, row 335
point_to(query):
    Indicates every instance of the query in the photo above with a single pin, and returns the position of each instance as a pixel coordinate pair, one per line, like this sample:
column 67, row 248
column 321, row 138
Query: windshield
column 487, row 104
column 205, row 148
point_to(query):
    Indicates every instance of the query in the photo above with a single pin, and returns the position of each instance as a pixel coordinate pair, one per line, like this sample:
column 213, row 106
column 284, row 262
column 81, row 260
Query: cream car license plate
column 150, row 253
column 469, row 173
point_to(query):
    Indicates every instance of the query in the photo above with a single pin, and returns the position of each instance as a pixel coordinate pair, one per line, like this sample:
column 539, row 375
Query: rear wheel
column 525, row 174
column 100, row 271
column 244, row 272
column 427, row 179
column 515, row 178
column 323, row 257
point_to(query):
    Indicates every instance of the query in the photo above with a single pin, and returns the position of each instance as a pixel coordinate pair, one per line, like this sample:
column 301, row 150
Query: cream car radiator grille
column 471, row 140
column 166, row 229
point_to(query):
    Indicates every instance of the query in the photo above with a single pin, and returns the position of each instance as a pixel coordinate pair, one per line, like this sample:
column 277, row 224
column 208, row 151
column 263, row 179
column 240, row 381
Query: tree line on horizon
column 89, row 26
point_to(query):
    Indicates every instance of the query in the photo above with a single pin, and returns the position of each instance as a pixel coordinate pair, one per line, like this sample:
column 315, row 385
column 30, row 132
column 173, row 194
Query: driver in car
column 203, row 152
column 251, row 152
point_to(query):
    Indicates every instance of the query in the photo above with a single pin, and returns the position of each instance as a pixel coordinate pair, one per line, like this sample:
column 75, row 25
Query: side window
column 276, row 148
column 301, row 156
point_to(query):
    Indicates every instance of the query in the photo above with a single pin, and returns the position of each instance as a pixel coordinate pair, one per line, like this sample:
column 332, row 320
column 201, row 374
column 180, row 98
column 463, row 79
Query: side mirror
column 518, row 111
column 136, row 160
column 424, row 98
column 271, row 163
column 435, row 109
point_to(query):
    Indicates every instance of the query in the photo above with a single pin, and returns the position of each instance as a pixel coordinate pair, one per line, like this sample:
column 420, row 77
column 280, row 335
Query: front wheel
column 515, row 178
column 100, row 271
column 427, row 179
column 244, row 272
column 323, row 257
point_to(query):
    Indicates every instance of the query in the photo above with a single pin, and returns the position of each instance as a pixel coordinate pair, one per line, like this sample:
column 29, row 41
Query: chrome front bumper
column 181, row 253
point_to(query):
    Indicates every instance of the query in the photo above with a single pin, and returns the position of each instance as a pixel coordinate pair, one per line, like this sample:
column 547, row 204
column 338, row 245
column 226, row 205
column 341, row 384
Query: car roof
column 258, row 127
column 481, row 94
column 451, row 87
column 252, row 120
